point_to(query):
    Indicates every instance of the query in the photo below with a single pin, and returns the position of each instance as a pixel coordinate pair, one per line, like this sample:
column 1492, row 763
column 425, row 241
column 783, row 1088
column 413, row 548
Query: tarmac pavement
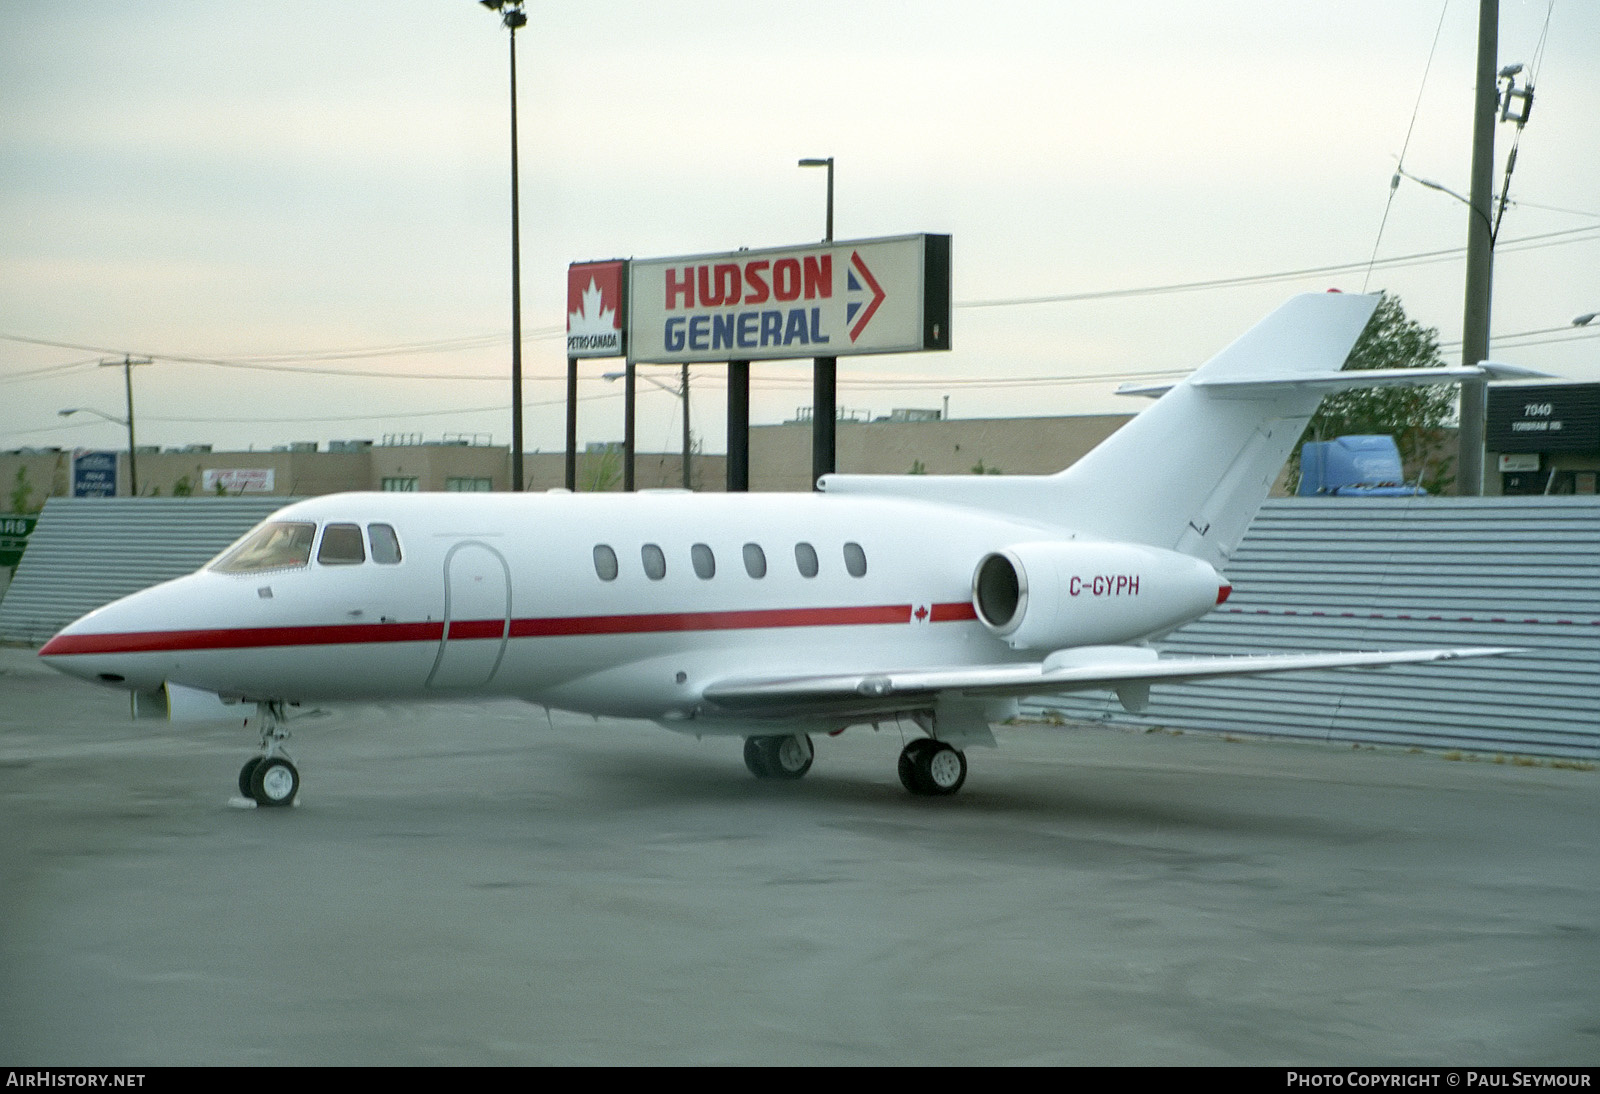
column 483, row 884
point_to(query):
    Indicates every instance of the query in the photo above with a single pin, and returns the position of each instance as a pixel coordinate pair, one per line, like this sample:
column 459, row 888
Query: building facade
column 780, row 459
column 1542, row 439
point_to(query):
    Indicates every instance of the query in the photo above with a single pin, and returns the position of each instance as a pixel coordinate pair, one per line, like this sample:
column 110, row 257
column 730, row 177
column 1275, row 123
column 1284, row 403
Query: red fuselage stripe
column 352, row 633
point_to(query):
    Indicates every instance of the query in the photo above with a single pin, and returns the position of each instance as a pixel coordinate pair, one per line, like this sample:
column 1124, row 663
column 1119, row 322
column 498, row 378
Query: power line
column 1394, row 182
column 278, row 362
column 1545, row 239
column 50, row 371
column 1567, row 333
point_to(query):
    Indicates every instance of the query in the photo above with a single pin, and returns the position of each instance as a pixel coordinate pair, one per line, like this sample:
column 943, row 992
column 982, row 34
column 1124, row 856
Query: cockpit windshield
column 276, row 545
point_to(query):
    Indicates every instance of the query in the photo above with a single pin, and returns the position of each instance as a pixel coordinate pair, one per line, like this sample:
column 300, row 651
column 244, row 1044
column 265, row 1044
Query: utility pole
column 1480, row 256
column 126, row 365
column 687, row 441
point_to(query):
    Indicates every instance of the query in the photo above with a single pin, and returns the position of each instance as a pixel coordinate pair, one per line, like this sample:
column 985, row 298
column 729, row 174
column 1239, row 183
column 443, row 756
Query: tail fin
column 1191, row 471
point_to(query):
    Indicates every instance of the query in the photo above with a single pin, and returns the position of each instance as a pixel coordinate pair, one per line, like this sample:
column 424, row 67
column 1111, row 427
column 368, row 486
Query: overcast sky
column 299, row 179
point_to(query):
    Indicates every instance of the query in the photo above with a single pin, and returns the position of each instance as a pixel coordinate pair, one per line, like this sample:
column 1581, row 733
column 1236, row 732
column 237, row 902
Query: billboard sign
column 15, row 528
column 94, row 474
column 888, row 295
column 1544, row 418
column 237, row 480
column 595, row 308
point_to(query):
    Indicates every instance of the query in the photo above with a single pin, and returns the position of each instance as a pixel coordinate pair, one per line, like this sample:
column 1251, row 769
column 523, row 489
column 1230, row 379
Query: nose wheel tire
column 273, row 781
column 931, row 768
column 785, row 757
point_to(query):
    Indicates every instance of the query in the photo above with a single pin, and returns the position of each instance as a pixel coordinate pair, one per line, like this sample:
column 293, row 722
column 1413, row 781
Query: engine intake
column 1056, row 594
column 175, row 703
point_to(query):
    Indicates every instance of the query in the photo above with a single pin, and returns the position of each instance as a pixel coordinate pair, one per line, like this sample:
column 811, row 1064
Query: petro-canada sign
column 595, row 308
column 888, row 295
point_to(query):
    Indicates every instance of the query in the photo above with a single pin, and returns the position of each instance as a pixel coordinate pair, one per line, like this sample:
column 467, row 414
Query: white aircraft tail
column 1190, row 472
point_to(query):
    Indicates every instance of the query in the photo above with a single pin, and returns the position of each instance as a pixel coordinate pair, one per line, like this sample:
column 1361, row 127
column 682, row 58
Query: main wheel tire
column 910, row 763
column 274, row 782
column 944, row 769
column 779, row 757
column 789, row 757
column 246, row 773
column 931, row 768
column 755, row 757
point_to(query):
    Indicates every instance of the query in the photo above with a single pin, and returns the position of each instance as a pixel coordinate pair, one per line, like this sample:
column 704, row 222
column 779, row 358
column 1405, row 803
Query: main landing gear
column 928, row 767
column 269, row 779
column 932, row 768
column 785, row 757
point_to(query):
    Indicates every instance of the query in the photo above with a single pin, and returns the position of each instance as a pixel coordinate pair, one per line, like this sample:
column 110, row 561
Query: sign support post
column 629, row 391
column 597, row 307
column 572, row 424
column 738, row 427
column 824, row 416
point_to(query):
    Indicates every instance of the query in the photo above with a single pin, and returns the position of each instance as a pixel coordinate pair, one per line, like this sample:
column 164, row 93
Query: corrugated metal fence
column 1370, row 573
column 86, row 552
column 1312, row 574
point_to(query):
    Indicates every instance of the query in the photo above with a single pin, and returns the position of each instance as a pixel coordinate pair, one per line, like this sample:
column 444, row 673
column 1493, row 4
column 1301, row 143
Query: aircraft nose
column 108, row 646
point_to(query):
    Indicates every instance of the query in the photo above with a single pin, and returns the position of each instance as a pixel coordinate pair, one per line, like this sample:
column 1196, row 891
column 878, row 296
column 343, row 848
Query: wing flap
column 862, row 694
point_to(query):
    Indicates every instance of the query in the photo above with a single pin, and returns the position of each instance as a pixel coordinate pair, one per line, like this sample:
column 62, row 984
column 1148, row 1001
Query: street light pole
column 512, row 18
column 828, row 163
column 682, row 393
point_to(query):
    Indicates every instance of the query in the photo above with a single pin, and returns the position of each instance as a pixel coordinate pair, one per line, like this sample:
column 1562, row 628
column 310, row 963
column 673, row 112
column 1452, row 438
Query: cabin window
column 755, row 560
column 705, row 563
column 385, row 544
column 655, row 563
column 605, row 562
column 855, row 560
column 341, row 545
column 276, row 545
column 805, row 557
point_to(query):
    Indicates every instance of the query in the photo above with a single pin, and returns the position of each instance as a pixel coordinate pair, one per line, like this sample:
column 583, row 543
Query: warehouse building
column 904, row 442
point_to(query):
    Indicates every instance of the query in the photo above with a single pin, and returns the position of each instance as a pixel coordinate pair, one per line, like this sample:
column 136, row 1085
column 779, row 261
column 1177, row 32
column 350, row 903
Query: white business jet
column 772, row 617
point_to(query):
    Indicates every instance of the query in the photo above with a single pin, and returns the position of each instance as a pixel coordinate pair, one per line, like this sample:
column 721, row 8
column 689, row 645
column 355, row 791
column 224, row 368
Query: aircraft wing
column 1127, row 670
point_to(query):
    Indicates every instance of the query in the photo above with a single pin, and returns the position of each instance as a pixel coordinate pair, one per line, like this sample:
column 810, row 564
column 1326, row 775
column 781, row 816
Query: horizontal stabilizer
column 887, row 692
column 1344, row 379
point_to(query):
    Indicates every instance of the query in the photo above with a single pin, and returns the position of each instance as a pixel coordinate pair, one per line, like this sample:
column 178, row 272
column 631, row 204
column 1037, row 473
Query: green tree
column 21, row 499
column 1415, row 416
column 602, row 470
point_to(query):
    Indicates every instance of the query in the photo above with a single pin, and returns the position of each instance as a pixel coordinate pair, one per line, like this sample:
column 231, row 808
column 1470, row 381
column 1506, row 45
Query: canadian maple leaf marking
column 592, row 316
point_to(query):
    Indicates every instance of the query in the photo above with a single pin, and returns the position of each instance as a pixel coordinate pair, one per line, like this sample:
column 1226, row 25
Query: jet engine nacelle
column 1052, row 595
column 176, row 703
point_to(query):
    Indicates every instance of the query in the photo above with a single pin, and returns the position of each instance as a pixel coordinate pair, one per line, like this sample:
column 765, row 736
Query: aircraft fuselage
column 612, row 605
